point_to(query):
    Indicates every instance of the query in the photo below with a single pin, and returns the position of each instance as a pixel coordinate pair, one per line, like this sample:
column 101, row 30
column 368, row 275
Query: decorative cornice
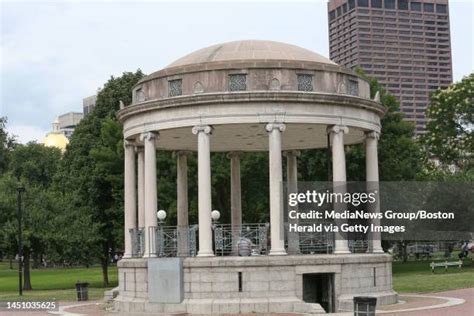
column 210, row 99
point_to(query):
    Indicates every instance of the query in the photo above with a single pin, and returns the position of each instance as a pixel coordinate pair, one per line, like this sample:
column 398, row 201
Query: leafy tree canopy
column 92, row 169
column 450, row 129
column 7, row 142
column 400, row 154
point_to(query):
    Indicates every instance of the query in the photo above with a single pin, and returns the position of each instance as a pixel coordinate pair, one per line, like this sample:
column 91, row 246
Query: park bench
column 445, row 265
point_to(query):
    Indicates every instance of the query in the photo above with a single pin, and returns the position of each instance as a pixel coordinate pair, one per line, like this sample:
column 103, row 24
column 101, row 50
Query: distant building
column 88, row 104
column 56, row 138
column 63, row 127
column 405, row 44
column 68, row 122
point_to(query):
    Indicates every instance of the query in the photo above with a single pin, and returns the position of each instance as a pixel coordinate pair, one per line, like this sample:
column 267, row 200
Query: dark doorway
column 319, row 288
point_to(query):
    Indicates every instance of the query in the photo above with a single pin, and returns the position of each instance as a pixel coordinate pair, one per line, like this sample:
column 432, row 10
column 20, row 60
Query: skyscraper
column 405, row 44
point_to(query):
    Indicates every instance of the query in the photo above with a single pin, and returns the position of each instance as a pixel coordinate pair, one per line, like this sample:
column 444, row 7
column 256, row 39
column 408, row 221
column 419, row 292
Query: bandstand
column 239, row 97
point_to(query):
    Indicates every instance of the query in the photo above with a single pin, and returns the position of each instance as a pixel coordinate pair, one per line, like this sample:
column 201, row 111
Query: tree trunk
column 35, row 260
column 405, row 254
column 26, row 270
column 104, row 262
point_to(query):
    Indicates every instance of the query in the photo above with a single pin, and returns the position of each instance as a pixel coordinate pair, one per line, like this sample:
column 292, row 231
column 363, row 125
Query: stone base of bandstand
column 210, row 285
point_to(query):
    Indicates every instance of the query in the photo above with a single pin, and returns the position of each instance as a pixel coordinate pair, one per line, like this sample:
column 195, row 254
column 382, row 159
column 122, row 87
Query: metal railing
column 233, row 240
column 308, row 242
column 175, row 241
column 180, row 241
column 316, row 243
column 165, row 241
column 358, row 246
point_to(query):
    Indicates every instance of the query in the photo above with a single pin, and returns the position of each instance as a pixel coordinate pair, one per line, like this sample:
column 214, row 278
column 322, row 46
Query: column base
column 127, row 256
column 277, row 252
column 341, row 252
column 148, row 255
column 376, row 251
column 205, row 254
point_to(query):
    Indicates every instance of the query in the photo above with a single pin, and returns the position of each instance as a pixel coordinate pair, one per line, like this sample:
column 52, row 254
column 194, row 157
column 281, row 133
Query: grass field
column 410, row 277
column 416, row 277
column 55, row 283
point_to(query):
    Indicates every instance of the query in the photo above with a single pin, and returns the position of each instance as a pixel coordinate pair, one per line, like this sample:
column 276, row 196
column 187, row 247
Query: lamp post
column 19, row 191
column 215, row 215
column 218, row 231
column 161, row 214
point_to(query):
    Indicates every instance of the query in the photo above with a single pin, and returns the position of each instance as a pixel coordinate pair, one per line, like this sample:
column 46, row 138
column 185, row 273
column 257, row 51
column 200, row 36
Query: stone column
column 141, row 186
column 204, row 190
column 150, row 194
column 339, row 178
column 182, row 202
column 235, row 189
column 129, row 196
column 372, row 179
column 292, row 187
column 235, row 199
column 276, row 193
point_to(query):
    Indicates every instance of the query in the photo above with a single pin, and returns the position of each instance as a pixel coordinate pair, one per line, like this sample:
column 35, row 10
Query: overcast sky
column 53, row 54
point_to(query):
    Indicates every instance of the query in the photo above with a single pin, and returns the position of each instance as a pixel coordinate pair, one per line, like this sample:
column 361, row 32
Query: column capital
column 275, row 125
column 207, row 129
column 148, row 136
column 128, row 143
column 372, row 134
column 180, row 153
column 292, row 153
column 232, row 154
column 336, row 129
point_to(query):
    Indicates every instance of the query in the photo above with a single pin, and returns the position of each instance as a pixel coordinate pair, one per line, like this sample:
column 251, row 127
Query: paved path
column 466, row 308
column 432, row 299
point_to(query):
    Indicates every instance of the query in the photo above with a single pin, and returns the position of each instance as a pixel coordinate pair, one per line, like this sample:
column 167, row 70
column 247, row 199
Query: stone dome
column 250, row 50
column 238, row 87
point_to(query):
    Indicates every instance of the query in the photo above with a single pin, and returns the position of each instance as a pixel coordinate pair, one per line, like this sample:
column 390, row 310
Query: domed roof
column 250, row 50
column 56, row 139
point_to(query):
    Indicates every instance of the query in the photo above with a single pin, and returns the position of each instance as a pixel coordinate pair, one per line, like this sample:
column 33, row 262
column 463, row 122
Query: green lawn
column 416, row 277
column 410, row 277
column 55, row 283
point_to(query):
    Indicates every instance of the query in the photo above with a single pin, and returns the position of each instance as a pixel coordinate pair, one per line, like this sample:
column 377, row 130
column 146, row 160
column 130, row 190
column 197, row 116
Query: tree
column 400, row 154
column 7, row 143
column 92, row 170
column 450, row 127
column 34, row 166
